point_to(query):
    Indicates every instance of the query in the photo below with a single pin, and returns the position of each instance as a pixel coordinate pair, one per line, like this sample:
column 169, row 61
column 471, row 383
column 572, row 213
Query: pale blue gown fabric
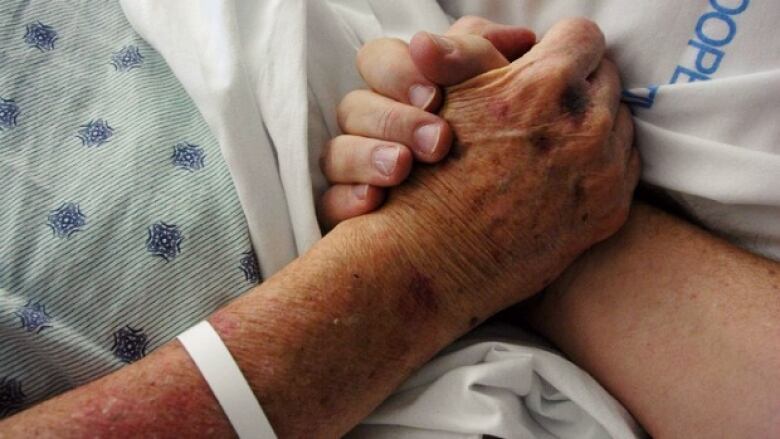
column 119, row 222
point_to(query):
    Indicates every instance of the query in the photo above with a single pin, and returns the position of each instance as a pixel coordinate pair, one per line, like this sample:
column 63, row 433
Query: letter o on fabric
column 731, row 11
column 712, row 18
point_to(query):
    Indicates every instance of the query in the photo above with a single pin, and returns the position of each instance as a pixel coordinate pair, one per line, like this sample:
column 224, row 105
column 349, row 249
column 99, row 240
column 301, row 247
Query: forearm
column 321, row 344
column 679, row 325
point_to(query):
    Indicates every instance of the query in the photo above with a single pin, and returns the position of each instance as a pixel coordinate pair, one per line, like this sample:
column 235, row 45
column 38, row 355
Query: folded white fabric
column 501, row 382
column 703, row 78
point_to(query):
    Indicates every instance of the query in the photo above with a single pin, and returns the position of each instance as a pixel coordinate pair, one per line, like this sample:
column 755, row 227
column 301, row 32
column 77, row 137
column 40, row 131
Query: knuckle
column 612, row 201
column 363, row 54
column 624, row 126
column 327, row 149
column 608, row 76
column 326, row 157
column 344, row 108
column 613, row 73
column 388, row 121
column 622, row 212
column 367, row 54
column 630, row 135
column 586, row 28
column 624, row 113
column 601, row 122
column 613, row 222
column 611, row 68
column 556, row 69
column 633, row 170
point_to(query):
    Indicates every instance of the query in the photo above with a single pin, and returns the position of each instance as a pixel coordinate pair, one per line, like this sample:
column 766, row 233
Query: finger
column 450, row 60
column 342, row 202
column 625, row 133
column 511, row 41
column 578, row 42
column 387, row 67
column 618, row 148
column 624, row 128
column 353, row 159
column 605, row 86
column 367, row 114
column 621, row 137
column 634, row 168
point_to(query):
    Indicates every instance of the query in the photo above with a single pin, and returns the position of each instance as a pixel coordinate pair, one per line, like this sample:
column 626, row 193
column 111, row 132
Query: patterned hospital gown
column 119, row 224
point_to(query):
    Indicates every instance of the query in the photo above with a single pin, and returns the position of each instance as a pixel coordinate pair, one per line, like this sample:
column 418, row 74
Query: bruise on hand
column 541, row 140
column 575, row 100
column 421, row 297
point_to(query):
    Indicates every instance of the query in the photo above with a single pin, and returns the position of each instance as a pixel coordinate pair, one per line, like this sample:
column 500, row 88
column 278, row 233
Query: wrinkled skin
column 537, row 174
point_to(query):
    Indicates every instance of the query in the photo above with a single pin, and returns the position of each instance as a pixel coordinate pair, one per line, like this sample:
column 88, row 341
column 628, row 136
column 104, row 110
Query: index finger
column 387, row 67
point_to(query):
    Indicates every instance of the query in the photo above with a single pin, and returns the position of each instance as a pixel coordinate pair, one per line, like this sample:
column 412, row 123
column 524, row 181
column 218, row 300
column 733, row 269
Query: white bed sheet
column 714, row 144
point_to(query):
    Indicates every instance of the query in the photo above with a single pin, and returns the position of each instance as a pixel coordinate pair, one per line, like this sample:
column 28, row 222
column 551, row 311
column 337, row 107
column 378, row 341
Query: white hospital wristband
column 226, row 381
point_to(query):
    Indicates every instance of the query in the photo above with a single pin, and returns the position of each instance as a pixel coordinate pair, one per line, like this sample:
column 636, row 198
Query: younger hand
column 390, row 126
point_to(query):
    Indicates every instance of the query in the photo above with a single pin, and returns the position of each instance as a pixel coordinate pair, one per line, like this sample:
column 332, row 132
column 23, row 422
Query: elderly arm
column 321, row 344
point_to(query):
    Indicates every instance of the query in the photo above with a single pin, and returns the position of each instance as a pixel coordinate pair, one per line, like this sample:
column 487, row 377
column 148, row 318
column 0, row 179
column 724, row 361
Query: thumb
column 452, row 59
column 472, row 46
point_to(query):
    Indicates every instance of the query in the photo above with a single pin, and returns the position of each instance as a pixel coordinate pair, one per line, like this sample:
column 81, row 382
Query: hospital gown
column 119, row 223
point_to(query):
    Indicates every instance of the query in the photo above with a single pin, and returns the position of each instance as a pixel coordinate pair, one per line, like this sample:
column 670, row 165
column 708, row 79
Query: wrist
column 346, row 315
column 445, row 241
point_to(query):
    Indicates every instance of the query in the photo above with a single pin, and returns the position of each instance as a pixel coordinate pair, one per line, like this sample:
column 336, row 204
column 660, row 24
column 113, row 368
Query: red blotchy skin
column 499, row 109
column 225, row 324
column 120, row 408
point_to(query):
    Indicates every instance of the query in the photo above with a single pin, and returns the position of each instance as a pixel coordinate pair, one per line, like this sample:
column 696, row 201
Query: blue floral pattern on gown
column 95, row 133
column 188, row 157
column 34, row 317
column 127, row 59
column 40, row 36
column 120, row 227
column 66, row 220
column 164, row 241
column 249, row 267
column 130, row 344
column 9, row 111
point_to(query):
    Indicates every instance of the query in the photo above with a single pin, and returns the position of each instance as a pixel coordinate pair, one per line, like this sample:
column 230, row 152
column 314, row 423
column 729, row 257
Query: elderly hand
column 542, row 167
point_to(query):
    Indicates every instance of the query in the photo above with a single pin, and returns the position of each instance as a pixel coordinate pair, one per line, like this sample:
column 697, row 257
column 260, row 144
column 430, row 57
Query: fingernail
column 427, row 137
column 360, row 191
column 444, row 43
column 421, row 95
column 385, row 159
